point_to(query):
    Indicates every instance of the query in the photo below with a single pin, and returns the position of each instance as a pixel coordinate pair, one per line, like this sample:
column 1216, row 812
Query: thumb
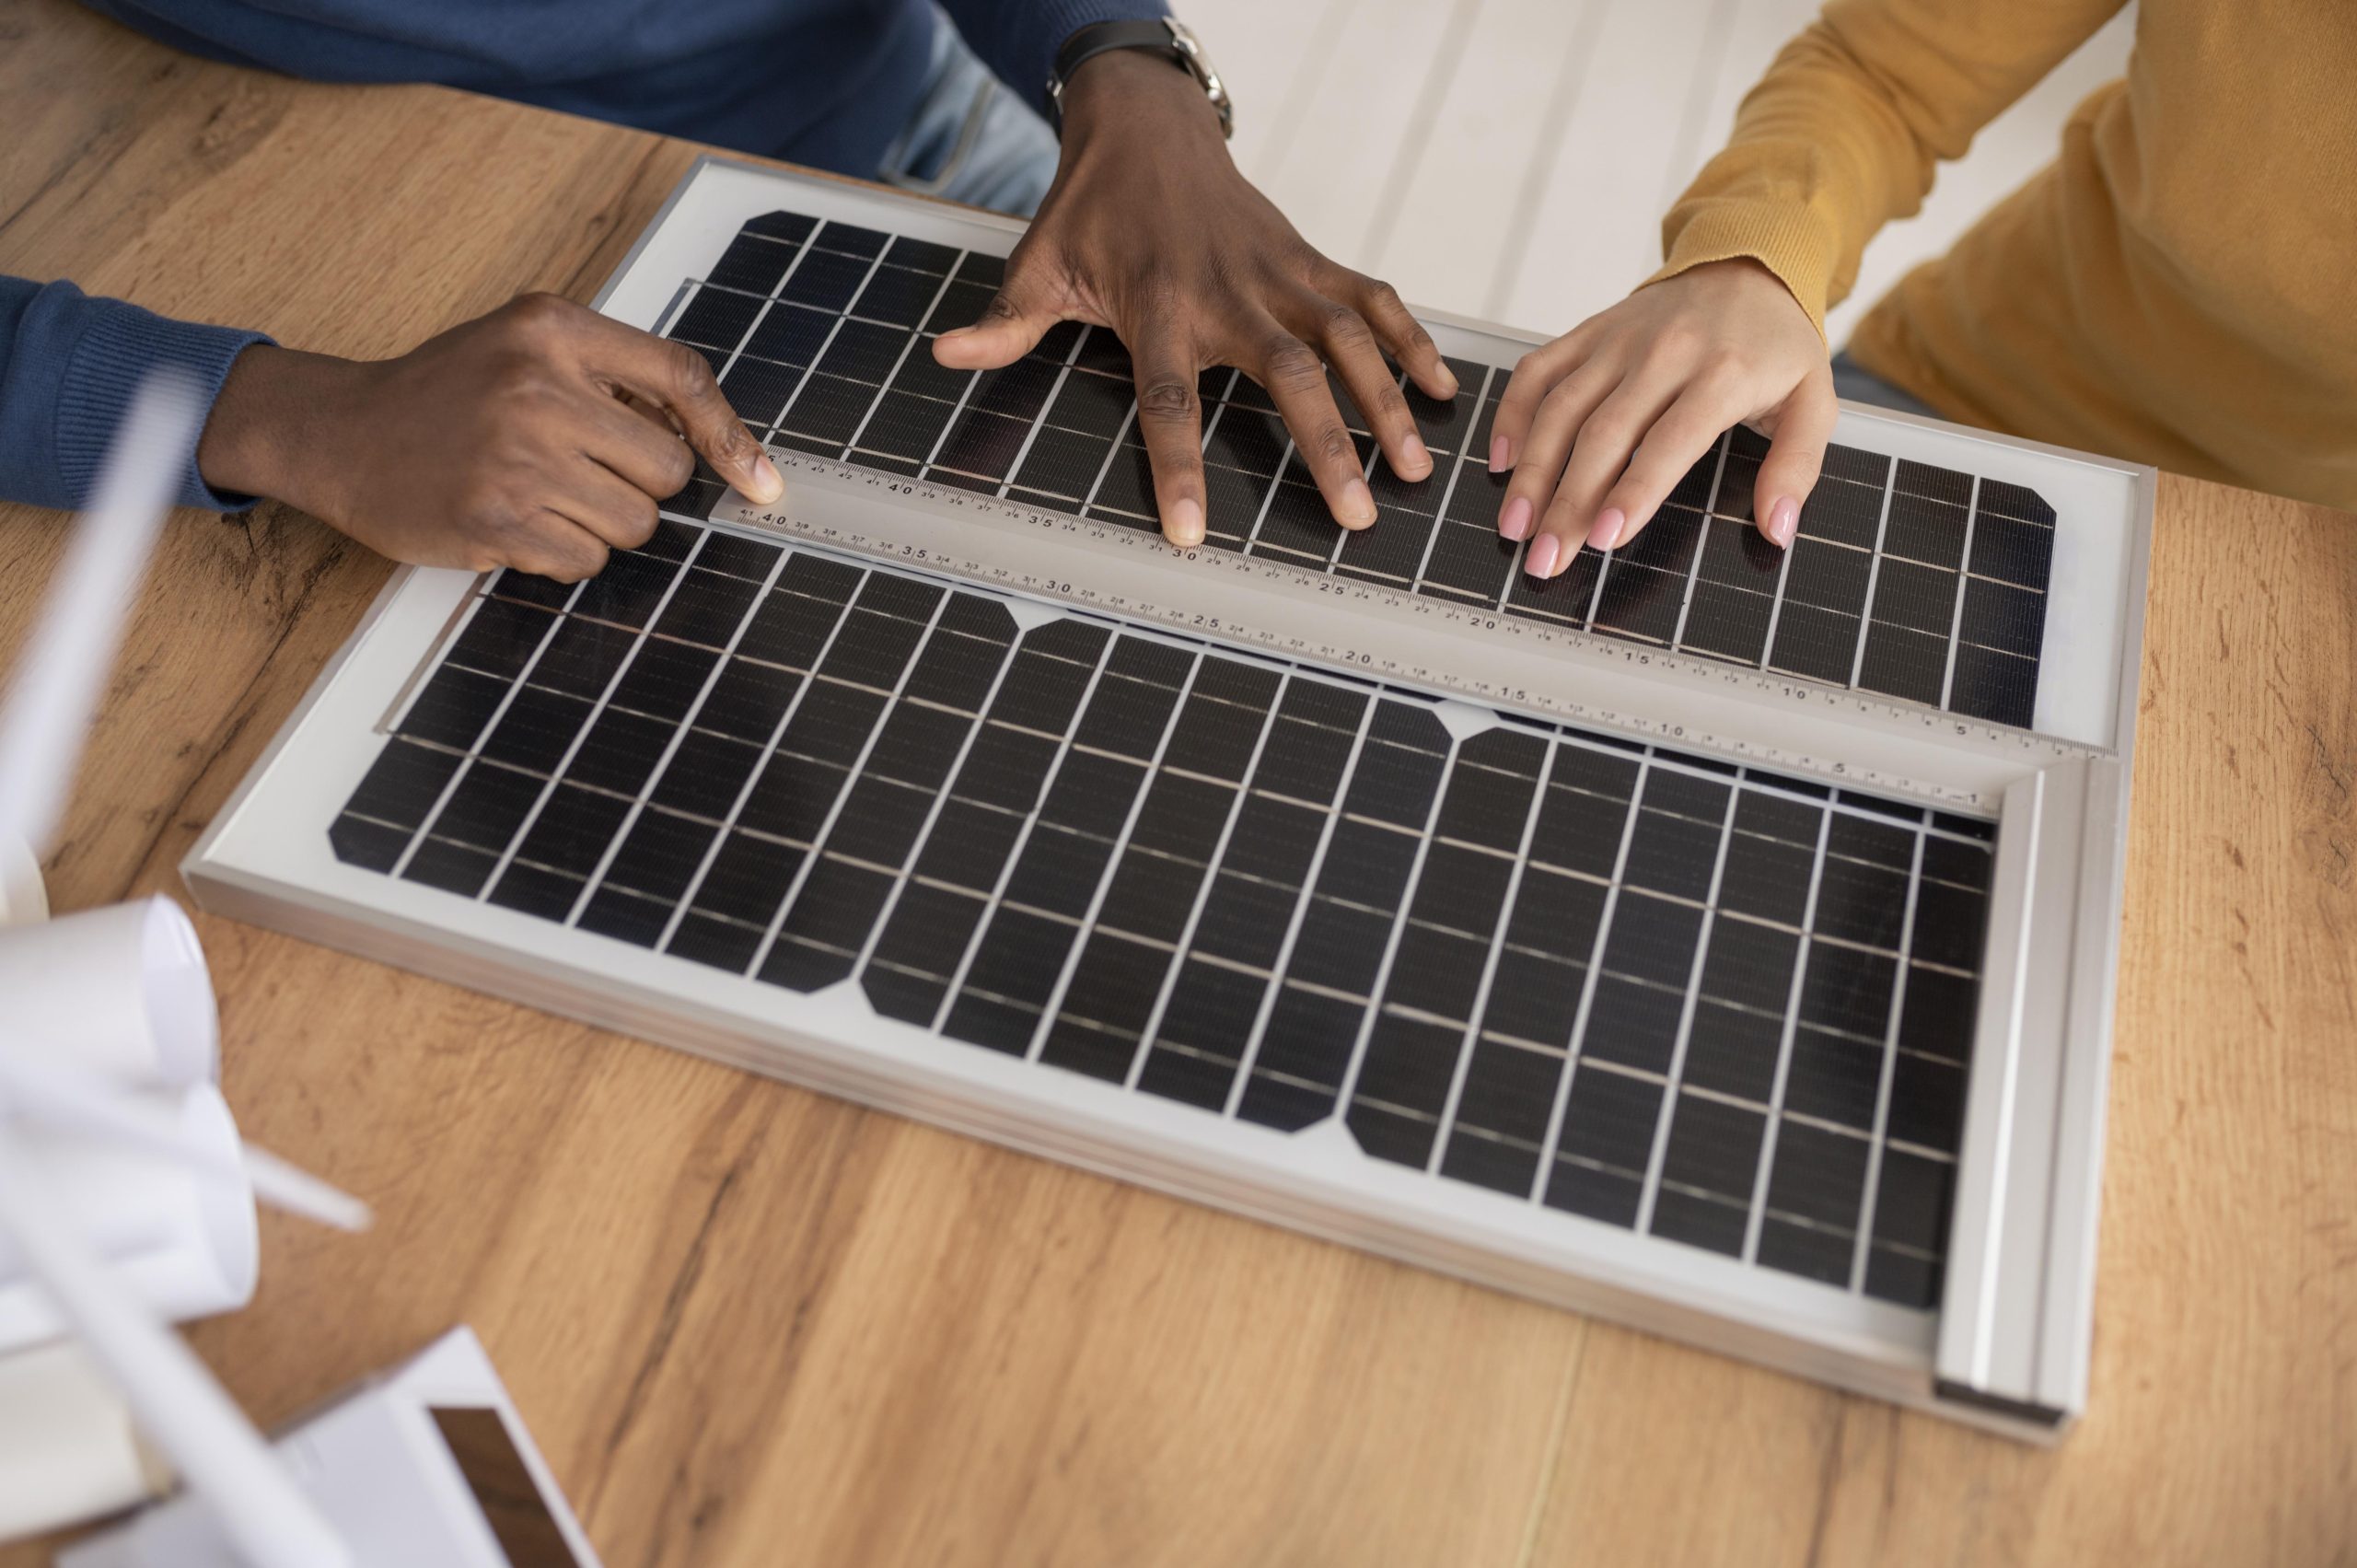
column 1025, row 308
column 1795, row 455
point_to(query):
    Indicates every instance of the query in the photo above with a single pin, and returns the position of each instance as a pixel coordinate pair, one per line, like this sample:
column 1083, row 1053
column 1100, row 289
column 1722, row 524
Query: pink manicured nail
column 1785, row 520
column 1541, row 560
column 1515, row 521
column 1501, row 454
column 1607, row 531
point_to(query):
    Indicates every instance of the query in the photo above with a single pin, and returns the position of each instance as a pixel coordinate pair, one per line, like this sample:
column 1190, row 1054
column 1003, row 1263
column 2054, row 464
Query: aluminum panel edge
column 2016, row 1317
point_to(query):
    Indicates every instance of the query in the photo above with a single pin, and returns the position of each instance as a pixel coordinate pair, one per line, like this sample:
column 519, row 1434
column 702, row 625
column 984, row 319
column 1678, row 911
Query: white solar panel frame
column 2008, row 1348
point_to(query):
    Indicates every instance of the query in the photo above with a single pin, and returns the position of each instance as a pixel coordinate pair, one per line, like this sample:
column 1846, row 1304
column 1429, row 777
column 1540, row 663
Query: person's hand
column 539, row 436
column 1600, row 424
column 1150, row 230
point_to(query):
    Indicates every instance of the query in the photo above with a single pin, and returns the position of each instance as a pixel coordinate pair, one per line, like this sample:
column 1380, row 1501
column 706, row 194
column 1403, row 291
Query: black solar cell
column 1730, row 1011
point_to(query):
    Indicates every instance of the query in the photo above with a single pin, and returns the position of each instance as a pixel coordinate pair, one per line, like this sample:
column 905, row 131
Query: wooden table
column 751, row 1325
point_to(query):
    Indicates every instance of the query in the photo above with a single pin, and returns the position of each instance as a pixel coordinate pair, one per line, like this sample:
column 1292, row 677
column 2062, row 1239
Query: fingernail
column 1785, row 520
column 1447, row 381
column 959, row 333
column 1607, row 531
column 1357, row 509
column 1186, row 529
column 768, row 483
column 1540, row 560
column 1515, row 521
column 1501, row 454
column 1418, row 458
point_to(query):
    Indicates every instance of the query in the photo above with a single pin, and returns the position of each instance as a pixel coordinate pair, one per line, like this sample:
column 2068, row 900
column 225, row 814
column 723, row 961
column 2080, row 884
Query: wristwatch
column 1169, row 38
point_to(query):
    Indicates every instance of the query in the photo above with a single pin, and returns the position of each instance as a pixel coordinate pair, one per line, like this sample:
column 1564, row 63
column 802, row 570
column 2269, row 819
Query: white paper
column 120, row 992
column 183, row 1243
column 381, row 1473
column 173, row 1395
column 69, row 1451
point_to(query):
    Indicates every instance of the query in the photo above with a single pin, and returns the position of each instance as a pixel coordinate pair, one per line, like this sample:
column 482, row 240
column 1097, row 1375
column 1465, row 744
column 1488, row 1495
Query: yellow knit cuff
column 1790, row 241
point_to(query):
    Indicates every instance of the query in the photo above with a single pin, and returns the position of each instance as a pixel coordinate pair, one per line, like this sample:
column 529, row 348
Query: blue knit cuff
column 114, row 354
column 1019, row 38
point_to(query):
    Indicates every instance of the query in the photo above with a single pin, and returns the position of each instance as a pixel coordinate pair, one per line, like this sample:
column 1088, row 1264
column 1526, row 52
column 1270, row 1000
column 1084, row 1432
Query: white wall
column 1512, row 158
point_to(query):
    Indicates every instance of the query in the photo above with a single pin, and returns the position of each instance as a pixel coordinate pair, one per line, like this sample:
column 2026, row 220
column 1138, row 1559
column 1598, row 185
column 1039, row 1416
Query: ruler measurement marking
column 1762, row 683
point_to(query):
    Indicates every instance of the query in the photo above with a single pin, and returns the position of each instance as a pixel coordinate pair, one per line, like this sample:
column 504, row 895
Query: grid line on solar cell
column 1777, row 601
column 1859, row 1257
column 1428, row 1028
column 1418, row 860
column 662, row 763
column 1051, row 1010
column 1494, row 948
column 1873, row 579
column 1037, row 422
column 912, row 344
column 736, row 350
column 957, row 412
column 1113, row 446
column 988, row 918
column 1271, row 492
column 589, row 720
column 820, row 838
column 787, row 712
column 1675, row 1077
column 1788, row 1028
column 834, row 331
column 1956, row 624
column 1694, row 570
column 1248, row 1050
column 1543, row 1175
column 907, row 875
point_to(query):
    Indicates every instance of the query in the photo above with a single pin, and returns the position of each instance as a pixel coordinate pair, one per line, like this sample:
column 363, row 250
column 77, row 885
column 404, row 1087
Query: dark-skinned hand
column 540, row 436
column 1149, row 229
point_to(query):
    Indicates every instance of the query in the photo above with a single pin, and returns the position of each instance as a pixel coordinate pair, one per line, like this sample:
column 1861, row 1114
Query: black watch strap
column 1168, row 39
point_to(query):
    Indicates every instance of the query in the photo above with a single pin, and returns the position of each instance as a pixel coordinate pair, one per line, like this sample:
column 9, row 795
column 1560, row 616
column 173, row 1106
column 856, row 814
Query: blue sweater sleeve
column 1018, row 39
column 68, row 366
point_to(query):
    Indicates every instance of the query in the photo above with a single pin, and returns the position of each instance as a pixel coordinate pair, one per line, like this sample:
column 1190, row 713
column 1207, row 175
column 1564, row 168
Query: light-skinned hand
column 1600, row 424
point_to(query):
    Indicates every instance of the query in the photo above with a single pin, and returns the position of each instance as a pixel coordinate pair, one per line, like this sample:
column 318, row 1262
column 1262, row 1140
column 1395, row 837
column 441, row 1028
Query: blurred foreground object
column 126, row 1198
column 427, row 1465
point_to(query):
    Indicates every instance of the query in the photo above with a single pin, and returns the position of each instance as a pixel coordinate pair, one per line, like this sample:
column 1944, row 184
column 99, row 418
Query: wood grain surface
column 752, row 1325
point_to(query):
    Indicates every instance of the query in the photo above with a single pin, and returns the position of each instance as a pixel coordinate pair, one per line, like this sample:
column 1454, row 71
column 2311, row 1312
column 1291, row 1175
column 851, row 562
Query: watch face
column 1199, row 65
column 1186, row 50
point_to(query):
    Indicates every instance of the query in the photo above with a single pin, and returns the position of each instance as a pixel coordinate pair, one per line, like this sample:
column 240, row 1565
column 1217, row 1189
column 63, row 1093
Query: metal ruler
column 1853, row 738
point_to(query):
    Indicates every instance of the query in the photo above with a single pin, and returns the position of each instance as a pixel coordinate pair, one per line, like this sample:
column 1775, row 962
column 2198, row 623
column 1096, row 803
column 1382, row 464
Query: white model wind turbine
column 187, row 1414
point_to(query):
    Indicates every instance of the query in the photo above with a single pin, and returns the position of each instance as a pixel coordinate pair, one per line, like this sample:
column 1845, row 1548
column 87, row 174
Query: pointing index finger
column 677, row 377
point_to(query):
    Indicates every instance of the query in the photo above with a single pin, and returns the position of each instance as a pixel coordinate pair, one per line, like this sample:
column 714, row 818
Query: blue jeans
column 1860, row 385
column 970, row 139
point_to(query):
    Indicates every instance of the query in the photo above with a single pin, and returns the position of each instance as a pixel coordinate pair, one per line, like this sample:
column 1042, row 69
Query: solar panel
column 1629, row 983
column 1716, row 938
column 1910, row 579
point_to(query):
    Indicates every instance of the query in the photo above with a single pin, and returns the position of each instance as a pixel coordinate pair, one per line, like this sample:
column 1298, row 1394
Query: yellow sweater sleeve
column 1844, row 132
